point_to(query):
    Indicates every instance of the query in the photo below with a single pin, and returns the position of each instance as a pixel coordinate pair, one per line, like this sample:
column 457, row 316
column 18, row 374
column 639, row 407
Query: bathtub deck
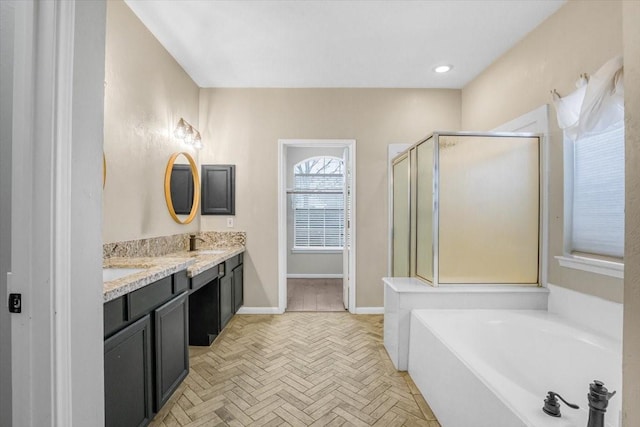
column 499, row 364
column 401, row 295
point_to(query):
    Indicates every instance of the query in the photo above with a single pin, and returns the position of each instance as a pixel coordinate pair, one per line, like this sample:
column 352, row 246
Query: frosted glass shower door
column 488, row 209
column 424, row 215
column 401, row 217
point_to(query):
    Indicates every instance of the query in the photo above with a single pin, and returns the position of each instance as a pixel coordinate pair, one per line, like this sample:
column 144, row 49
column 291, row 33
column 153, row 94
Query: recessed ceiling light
column 443, row 69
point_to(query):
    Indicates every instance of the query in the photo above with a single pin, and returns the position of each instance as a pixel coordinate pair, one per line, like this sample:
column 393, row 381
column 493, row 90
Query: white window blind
column 592, row 120
column 598, row 193
column 319, row 204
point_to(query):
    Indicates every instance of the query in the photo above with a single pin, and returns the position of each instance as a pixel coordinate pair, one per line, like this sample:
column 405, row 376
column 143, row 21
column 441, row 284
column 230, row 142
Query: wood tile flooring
column 296, row 369
column 314, row 295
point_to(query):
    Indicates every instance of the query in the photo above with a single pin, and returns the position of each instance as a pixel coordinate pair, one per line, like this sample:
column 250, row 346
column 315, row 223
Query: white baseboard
column 313, row 276
column 259, row 310
column 369, row 310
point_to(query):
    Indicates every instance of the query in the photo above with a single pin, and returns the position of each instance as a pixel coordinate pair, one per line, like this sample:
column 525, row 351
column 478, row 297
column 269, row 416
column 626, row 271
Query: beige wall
column 242, row 126
column 146, row 93
column 631, row 361
column 579, row 38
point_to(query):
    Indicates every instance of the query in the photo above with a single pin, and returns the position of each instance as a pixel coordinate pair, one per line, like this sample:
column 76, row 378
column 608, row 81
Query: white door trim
column 57, row 102
column 41, row 212
column 282, row 213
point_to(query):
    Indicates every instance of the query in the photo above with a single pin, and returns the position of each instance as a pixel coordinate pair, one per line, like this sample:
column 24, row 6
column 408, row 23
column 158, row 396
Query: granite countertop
column 204, row 261
column 156, row 268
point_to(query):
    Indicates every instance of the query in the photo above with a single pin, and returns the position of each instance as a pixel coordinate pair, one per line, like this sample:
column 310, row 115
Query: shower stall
column 466, row 209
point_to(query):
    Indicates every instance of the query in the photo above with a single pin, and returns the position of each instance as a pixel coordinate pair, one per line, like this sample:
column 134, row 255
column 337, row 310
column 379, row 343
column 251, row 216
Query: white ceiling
column 342, row 43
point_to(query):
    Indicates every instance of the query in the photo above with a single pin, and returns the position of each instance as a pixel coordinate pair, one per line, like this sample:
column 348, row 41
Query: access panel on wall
column 218, row 189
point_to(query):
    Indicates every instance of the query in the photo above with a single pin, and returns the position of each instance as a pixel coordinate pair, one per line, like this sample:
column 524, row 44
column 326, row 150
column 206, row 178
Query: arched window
column 318, row 203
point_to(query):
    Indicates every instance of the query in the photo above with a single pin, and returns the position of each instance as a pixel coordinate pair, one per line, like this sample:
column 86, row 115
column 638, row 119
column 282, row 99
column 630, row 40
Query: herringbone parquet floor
column 298, row 369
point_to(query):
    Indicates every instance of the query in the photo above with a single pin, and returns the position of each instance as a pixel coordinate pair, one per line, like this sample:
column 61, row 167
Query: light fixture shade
column 181, row 130
column 189, row 134
column 197, row 141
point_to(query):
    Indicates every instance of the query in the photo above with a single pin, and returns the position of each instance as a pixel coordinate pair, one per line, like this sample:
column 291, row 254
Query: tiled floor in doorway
column 314, row 295
column 296, row 369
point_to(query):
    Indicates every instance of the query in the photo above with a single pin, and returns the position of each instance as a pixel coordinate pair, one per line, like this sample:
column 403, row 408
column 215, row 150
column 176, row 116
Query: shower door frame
column 435, row 206
column 397, row 159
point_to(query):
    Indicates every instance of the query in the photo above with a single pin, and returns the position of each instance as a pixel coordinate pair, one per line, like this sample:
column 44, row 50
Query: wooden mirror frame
column 196, row 188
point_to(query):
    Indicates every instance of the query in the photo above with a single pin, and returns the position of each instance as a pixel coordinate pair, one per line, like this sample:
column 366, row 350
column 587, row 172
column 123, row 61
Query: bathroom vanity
column 152, row 313
column 215, row 296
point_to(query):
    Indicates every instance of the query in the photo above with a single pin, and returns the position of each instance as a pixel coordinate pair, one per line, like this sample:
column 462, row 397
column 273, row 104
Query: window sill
column 606, row 268
column 316, row 251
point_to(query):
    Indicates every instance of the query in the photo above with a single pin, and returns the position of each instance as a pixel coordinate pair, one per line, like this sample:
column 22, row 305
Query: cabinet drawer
column 145, row 299
column 204, row 278
column 114, row 315
column 233, row 262
column 180, row 282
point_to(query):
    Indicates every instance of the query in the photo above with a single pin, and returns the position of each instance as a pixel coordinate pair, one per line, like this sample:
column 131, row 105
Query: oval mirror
column 182, row 187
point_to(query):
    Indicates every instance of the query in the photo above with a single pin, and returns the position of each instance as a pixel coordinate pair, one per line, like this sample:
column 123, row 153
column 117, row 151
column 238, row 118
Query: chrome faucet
column 192, row 242
column 598, row 401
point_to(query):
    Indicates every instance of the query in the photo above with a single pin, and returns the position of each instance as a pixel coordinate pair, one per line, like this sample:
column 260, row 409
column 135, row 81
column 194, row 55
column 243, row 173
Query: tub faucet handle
column 551, row 405
column 598, row 398
column 599, row 395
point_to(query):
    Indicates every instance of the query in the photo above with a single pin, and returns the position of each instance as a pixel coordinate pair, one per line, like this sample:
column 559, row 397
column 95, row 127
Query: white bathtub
column 493, row 368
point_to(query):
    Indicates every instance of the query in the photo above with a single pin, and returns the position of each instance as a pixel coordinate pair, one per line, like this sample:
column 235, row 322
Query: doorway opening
column 316, row 238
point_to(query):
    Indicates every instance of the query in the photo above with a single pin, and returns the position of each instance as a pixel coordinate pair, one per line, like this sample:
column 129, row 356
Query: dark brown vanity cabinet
column 238, row 288
column 172, row 355
column 128, row 376
column 231, row 289
column 226, row 299
column 204, row 307
column 146, row 354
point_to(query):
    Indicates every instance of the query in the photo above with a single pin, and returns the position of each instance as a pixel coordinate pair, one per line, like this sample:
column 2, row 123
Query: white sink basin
column 109, row 274
column 211, row 252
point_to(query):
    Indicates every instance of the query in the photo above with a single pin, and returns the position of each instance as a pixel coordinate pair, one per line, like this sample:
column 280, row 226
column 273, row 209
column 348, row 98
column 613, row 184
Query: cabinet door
column 127, row 376
column 218, row 190
column 238, row 291
column 172, row 351
column 226, row 299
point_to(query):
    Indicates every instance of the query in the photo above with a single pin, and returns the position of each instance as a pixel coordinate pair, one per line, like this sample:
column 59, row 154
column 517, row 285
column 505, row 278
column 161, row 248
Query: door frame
column 350, row 144
column 57, row 107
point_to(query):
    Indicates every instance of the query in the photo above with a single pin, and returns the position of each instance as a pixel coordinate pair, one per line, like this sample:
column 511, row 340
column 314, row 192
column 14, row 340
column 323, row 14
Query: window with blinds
column 598, row 193
column 318, row 204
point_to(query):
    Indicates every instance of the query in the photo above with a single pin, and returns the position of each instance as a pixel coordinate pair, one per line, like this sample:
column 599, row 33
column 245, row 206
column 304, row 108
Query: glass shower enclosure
column 466, row 209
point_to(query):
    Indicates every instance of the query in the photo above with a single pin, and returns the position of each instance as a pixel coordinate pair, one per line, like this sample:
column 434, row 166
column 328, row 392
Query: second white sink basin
column 109, row 274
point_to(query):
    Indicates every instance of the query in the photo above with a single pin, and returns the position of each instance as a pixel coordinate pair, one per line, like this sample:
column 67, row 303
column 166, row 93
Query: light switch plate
column 230, row 222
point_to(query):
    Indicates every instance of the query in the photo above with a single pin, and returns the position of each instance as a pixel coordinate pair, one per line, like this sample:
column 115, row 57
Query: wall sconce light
column 188, row 134
column 197, row 141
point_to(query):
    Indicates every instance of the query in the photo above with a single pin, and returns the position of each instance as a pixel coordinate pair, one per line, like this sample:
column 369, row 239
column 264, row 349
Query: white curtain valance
column 597, row 104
